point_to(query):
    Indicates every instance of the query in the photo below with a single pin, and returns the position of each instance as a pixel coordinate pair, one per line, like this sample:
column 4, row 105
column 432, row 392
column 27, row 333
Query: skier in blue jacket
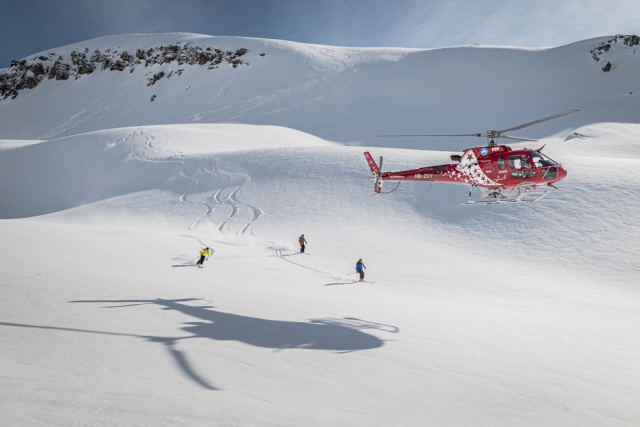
column 360, row 267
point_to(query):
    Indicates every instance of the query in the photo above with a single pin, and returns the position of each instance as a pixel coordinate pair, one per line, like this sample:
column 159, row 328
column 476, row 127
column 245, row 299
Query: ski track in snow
column 225, row 196
column 204, row 245
column 337, row 64
column 230, row 199
column 242, row 108
column 286, row 257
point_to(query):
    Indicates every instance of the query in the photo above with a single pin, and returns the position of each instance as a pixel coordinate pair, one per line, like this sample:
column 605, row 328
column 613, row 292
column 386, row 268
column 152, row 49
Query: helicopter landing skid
column 502, row 196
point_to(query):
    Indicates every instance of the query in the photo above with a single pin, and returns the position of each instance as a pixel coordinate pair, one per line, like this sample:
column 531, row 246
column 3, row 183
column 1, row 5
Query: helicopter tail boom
column 440, row 173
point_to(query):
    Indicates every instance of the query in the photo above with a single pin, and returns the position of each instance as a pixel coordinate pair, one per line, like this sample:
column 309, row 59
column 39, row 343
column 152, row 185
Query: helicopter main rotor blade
column 535, row 122
column 493, row 134
column 465, row 134
column 515, row 138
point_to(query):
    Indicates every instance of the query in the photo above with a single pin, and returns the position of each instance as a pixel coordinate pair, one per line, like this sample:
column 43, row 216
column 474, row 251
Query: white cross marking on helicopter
column 469, row 167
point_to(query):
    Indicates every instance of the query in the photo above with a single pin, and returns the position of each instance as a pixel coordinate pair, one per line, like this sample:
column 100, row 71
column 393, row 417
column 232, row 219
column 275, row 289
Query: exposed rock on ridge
column 27, row 73
column 610, row 45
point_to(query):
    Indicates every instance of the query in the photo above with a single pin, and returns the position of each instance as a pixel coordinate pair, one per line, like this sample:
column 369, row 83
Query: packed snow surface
column 508, row 315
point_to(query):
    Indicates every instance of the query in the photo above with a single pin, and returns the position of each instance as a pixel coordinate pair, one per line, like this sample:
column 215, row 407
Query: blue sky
column 29, row 26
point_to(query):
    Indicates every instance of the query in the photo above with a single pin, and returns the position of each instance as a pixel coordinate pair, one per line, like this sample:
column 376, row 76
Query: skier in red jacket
column 302, row 242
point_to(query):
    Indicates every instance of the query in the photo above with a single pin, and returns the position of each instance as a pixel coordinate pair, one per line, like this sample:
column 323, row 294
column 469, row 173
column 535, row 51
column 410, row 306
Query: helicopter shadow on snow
column 339, row 335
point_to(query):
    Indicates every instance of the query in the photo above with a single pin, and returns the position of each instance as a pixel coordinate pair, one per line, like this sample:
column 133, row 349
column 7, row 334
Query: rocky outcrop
column 27, row 73
column 155, row 78
column 59, row 71
column 610, row 45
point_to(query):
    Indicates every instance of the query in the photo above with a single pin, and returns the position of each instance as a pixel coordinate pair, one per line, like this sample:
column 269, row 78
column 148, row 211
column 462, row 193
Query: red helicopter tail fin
column 372, row 163
column 375, row 170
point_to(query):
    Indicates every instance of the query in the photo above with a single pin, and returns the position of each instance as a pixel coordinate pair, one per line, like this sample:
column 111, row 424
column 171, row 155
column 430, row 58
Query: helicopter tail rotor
column 376, row 170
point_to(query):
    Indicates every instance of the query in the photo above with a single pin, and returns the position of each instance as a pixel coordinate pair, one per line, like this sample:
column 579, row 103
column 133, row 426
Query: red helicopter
column 501, row 174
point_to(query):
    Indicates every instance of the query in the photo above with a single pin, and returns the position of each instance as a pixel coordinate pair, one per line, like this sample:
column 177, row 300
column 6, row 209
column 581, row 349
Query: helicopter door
column 489, row 168
column 502, row 169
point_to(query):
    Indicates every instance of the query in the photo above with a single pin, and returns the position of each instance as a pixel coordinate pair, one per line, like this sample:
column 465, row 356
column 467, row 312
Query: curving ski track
column 231, row 199
column 225, row 196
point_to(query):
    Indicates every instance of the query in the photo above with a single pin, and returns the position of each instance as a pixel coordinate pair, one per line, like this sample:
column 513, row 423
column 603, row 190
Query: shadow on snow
column 340, row 335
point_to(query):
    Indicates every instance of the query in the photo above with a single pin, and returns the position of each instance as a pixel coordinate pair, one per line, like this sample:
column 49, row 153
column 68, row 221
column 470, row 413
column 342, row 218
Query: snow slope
column 471, row 315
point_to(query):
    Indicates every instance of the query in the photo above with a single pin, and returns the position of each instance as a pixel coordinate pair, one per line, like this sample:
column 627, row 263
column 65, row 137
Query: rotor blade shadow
column 181, row 360
column 178, row 356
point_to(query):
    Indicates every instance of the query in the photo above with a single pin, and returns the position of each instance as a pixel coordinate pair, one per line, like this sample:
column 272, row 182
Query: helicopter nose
column 562, row 173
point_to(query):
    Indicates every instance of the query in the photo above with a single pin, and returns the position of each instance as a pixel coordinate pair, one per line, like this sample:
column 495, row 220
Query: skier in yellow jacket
column 204, row 255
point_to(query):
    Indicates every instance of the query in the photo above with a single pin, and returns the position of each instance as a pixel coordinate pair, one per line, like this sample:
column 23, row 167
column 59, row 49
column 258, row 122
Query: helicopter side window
column 520, row 166
column 519, row 162
column 501, row 164
column 514, row 162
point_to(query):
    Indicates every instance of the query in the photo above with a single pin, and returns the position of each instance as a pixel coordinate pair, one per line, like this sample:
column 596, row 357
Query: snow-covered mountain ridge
column 358, row 92
column 28, row 72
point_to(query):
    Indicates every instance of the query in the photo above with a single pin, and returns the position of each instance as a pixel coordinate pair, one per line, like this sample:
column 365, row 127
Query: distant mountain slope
column 341, row 94
column 50, row 176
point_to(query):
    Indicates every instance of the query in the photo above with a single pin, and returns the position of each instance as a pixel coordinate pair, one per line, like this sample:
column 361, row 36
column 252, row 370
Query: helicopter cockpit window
column 540, row 160
column 501, row 164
